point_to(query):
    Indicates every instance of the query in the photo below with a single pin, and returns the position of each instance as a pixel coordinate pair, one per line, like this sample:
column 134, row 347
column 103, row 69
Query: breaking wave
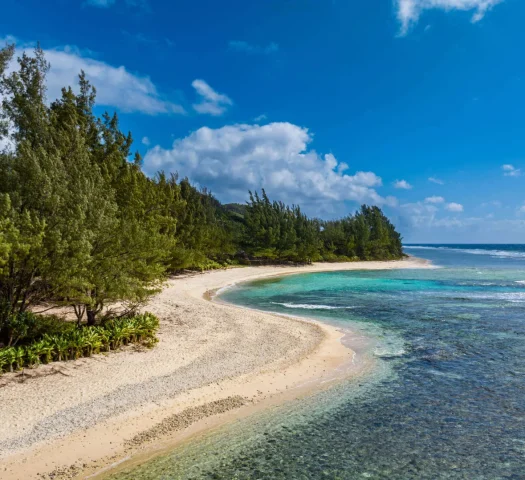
column 307, row 306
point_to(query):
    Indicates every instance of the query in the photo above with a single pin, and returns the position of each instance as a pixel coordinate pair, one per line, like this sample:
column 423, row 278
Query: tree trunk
column 91, row 314
column 79, row 312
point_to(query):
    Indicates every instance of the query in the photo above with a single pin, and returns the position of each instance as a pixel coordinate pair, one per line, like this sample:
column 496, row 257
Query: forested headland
column 82, row 226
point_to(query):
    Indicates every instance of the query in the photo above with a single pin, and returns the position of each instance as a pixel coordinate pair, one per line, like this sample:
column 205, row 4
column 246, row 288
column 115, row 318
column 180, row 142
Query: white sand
column 85, row 412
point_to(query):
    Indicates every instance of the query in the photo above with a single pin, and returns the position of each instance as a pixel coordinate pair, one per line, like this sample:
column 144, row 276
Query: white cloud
column 417, row 215
column 409, row 11
column 434, row 199
column 436, row 180
column 116, row 86
column 402, row 184
column 242, row 46
column 146, row 141
column 510, row 170
column 211, row 103
column 260, row 118
column 454, row 207
column 234, row 159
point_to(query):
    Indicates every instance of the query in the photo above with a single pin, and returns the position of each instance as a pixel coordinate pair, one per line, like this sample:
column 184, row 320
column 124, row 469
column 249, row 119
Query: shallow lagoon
column 447, row 399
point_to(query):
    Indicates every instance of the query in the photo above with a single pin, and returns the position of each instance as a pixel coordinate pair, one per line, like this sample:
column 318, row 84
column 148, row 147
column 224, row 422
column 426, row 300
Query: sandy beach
column 213, row 361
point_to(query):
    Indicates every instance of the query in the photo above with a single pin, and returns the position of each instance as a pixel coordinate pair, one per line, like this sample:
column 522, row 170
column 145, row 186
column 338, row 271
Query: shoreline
column 214, row 362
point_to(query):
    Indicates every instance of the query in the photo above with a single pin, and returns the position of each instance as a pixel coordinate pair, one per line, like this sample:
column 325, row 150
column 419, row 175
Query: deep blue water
column 447, row 399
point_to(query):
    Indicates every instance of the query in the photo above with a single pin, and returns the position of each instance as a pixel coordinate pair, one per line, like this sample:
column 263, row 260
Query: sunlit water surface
column 446, row 400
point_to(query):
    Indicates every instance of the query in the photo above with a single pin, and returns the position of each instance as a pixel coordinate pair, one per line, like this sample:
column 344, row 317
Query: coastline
column 211, row 356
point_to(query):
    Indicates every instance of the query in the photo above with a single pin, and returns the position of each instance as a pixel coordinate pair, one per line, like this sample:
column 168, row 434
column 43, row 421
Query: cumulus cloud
column 245, row 47
column 234, row 159
column 402, row 184
column 116, row 86
column 211, row 102
column 146, row 141
column 409, row 11
column 454, row 207
column 434, row 199
column 510, row 170
column 436, row 181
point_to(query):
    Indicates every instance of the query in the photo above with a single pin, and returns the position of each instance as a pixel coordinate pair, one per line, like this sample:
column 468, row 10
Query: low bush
column 14, row 328
column 70, row 343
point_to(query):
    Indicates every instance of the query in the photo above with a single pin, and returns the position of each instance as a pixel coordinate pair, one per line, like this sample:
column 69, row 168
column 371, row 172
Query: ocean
column 446, row 399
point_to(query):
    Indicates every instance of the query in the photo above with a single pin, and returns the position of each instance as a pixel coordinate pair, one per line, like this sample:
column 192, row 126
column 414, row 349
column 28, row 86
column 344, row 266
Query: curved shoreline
column 226, row 352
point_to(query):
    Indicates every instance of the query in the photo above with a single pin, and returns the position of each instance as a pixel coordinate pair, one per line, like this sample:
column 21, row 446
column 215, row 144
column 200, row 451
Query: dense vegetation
column 82, row 226
column 63, row 341
column 274, row 231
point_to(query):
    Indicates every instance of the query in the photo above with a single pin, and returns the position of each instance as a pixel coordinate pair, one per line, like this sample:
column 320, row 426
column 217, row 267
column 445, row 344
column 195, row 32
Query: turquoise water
column 447, row 399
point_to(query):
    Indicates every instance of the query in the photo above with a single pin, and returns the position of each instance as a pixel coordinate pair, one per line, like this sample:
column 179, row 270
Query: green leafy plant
column 20, row 355
column 86, row 341
column 7, row 358
column 32, row 356
column 17, row 326
column 60, row 344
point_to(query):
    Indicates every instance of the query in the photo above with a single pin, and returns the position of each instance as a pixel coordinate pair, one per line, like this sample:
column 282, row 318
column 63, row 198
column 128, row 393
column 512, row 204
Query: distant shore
column 213, row 361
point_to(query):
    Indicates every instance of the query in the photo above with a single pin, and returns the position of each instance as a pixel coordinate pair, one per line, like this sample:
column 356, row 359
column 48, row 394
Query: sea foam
column 307, row 306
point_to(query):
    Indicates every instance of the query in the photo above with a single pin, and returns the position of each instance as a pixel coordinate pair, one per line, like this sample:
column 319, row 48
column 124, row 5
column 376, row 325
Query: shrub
column 17, row 326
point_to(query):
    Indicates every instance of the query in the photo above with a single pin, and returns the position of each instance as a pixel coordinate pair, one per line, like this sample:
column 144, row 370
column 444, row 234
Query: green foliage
column 75, row 343
column 79, row 223
column 18, row 326
column 277, row 232
column 82, row 226
column 368, row 235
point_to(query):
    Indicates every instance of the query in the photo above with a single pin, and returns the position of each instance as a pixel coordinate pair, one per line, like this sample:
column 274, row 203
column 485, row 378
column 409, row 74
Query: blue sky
column 414, row 105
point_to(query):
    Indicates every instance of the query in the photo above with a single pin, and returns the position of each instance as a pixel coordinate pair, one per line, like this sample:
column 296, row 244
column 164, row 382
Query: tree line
column 82, row 225
column 275, row 231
